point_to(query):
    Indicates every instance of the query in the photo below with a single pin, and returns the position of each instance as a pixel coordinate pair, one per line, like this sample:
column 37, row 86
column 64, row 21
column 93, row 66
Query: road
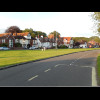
column 77, row 69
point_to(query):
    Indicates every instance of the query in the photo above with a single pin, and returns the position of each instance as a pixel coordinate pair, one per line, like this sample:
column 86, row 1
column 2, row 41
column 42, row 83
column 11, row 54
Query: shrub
column 3, row 45
column 63, row 46
column 18, row 45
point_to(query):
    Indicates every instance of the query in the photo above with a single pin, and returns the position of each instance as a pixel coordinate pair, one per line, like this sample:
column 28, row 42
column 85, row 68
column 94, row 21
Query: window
column 17, row 41
column 10, row 43
column 3, row 40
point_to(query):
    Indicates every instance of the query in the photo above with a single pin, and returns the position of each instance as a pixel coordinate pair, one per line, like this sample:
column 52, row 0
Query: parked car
column 32, row 48
column 4, row 48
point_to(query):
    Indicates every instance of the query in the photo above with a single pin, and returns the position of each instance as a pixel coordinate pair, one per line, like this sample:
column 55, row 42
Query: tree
column 77, row 44
column 35, row 33
column 13, row 29
column 40, row 33
column 95, row 38
column 80, row 39
column 30, row 31
column 55, row 32
column 96, row 17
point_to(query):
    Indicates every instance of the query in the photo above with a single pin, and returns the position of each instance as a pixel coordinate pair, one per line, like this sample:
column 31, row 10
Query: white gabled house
column 44, row 42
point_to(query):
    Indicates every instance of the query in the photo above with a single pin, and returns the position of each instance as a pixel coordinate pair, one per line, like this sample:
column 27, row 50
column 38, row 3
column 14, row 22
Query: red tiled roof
column 14, row 34
column 21, row 34
column 4, row 34
column 68, row 38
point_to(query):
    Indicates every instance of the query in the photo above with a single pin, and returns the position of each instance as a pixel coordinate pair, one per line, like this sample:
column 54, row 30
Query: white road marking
column 94, row 81
column 87, row 66
column 47, row 70
column 33, row 78
column 58, row 65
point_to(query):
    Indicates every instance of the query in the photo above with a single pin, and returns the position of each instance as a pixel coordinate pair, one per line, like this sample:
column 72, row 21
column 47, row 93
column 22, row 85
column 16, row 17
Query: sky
column 68, row 24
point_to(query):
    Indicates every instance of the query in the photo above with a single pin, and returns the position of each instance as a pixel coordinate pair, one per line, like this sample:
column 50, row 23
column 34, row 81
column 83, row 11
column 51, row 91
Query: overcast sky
column 74, row 24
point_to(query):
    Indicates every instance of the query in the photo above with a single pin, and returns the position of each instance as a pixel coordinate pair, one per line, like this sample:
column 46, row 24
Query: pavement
column 77, row 69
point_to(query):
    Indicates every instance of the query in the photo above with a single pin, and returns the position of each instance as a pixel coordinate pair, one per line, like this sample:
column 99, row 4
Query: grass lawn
column 12, row 57
column 98, row 69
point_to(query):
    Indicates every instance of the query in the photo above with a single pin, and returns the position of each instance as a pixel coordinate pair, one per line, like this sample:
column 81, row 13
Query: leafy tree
column 77, row 44
column 13, row 29
column 80, row 39
column 55, row 32
column 35, row 33
column 40, row 33
column 96, row 17
column 95, row 38
column 30, row 31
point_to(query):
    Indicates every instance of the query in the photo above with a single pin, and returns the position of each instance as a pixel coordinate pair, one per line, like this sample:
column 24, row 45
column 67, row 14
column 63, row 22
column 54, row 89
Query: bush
column 62, row 47
column 18, row 45
column 3, row 45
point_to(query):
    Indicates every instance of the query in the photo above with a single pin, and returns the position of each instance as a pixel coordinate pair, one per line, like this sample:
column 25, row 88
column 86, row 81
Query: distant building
column 92, row 44
column 67, row 41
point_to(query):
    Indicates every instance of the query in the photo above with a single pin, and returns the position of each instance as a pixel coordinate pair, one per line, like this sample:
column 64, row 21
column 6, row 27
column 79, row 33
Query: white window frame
column 3, row 40
column 10, row 42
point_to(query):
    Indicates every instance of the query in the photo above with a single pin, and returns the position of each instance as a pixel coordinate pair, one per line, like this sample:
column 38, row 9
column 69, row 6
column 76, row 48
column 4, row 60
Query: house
column 67, row 41
column 45, row 42
column 93, row 43
column 10, row 39
column 33, row 42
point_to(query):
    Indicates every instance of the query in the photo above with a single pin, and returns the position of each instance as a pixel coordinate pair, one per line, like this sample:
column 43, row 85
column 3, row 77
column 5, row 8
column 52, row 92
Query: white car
column 4, row 48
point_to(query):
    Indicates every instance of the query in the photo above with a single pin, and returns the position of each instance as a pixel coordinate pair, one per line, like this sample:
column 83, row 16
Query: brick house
column 8, row 39
column 24, row 39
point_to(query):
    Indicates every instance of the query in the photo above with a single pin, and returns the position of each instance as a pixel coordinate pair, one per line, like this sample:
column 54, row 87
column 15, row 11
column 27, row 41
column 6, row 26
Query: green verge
column 12, row 57
column 98, row 69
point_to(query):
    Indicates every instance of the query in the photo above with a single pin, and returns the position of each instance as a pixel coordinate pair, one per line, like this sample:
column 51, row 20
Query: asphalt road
column 77, row 69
